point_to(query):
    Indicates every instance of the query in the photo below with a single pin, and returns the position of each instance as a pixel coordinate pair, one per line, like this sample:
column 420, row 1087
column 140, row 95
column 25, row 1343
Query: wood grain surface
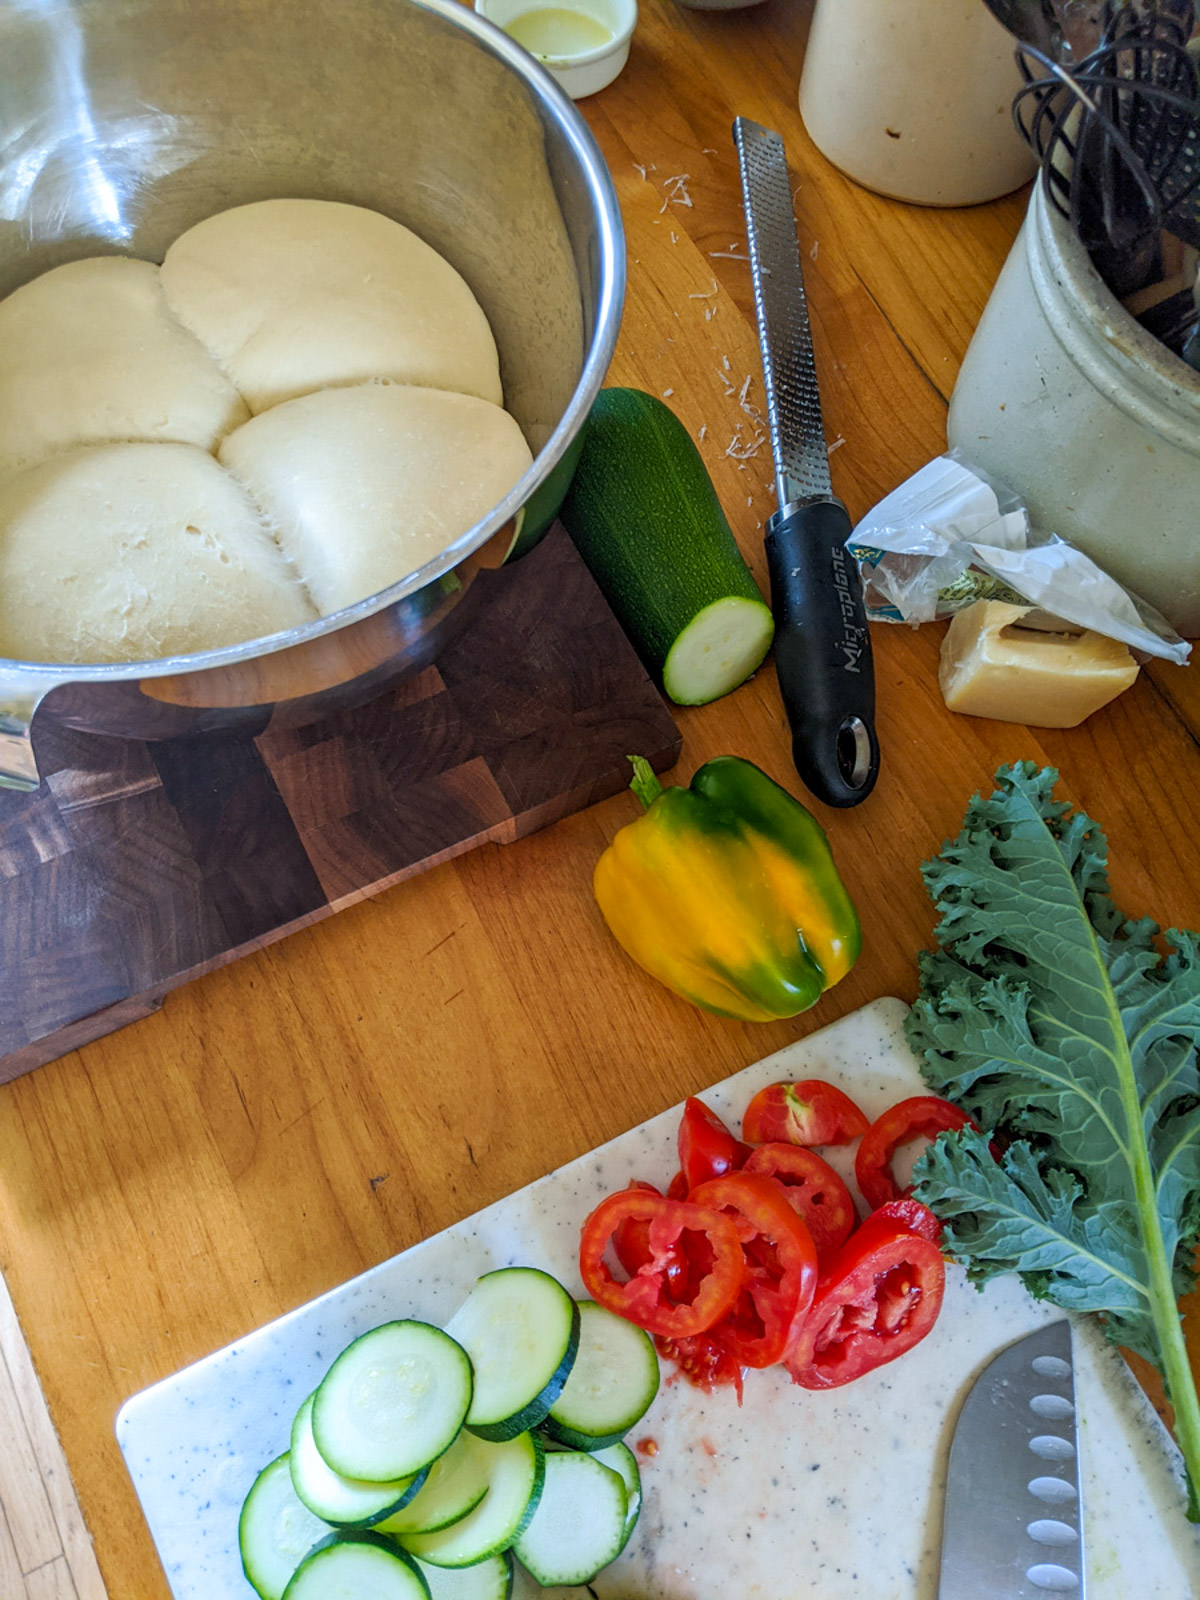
column 303, row 1113
column 136, row 867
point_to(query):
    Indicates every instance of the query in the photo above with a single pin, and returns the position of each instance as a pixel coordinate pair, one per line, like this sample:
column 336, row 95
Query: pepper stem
column 645, row 782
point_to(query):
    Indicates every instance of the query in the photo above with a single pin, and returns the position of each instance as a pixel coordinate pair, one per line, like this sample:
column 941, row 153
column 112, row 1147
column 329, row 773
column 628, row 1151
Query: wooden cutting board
column 793, row 1495
column 136, row 867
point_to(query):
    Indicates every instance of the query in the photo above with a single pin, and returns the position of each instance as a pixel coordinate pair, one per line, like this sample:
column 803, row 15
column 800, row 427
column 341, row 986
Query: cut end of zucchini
column 610, row 1387
column 520, row 1328
column 276, row 1530
column 392, row 1401
column 719, row 649
column 515, row 1482
column 357, row 1566
column 579, row 1524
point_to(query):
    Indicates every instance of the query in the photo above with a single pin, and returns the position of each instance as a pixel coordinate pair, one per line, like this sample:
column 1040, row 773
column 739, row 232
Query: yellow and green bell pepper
column 726, row 891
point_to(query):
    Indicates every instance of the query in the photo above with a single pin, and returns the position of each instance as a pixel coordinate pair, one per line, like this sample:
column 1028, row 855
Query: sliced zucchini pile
column 427, row 1458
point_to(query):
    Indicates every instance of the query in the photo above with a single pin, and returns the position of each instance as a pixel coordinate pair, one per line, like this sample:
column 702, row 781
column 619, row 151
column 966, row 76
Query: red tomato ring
column 922, row 1116
column 646, row 1298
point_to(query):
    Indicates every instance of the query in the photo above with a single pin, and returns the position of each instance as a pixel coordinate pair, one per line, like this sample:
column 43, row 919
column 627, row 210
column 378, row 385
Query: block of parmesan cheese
column 992, row 666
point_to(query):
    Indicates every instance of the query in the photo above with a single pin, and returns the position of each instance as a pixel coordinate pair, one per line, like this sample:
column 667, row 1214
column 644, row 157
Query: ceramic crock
column 1089, row 417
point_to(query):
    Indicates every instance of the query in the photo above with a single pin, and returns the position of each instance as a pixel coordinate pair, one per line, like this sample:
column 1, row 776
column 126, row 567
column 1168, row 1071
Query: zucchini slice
column 345, row 1502
column 486, row 1580
column 357, row 1566
column 646, row 519
column 610, row 1387
column 520, row 1328
column 457, row 1482
column 514, row 1488
column 392, row 1401
column 622, row 1461
column 276, row 1530
column 579, row 1524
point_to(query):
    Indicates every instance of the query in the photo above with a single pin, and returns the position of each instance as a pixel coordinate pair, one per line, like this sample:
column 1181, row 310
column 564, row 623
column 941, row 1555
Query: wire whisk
column 1117, row 134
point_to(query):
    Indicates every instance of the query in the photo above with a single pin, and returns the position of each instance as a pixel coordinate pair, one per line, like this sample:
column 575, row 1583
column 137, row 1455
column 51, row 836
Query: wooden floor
column 45, row 1548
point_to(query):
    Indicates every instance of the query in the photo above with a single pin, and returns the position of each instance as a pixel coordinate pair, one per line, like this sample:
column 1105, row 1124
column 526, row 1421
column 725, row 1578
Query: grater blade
column 789, row 371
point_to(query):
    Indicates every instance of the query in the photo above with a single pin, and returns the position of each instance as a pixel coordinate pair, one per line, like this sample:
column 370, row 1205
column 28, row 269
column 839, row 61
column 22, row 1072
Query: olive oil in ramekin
column 555, row 33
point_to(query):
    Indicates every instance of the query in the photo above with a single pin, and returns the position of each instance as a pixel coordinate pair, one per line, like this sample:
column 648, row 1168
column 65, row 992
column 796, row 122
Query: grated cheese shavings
column 675, row 192
column 744, row 449
column 836, row 445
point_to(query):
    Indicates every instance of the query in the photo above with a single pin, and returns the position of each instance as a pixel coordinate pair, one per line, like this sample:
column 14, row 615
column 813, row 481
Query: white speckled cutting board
column 794, row 1496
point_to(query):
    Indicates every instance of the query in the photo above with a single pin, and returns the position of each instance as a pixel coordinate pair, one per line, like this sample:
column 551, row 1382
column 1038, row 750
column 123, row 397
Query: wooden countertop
column 301, row 1115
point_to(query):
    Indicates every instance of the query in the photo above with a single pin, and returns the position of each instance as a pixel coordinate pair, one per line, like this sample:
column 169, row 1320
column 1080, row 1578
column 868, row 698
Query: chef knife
column 1013, row 1525
column 822, row 650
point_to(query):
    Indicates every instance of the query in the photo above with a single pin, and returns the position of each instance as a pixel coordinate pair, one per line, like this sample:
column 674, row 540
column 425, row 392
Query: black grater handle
column 823, row 650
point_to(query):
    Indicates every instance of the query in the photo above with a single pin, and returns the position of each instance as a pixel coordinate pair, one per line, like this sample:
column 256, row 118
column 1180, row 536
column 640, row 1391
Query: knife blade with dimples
column 1013, row 1525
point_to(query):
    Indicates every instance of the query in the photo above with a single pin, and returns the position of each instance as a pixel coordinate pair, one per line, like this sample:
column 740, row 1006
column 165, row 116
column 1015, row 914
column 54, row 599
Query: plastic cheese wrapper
column 951, row 535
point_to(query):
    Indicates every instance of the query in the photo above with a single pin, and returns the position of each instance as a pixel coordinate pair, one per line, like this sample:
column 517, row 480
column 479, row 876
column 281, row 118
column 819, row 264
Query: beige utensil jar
column 913, row 98
column 1092, row 420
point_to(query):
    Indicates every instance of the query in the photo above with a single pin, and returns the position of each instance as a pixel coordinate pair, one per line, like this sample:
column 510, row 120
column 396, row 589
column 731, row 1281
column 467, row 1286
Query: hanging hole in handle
column 854, row 751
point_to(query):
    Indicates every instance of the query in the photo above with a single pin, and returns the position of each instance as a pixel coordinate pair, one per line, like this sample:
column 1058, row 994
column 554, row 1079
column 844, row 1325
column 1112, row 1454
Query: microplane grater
column 794, row 418
column 822, row 645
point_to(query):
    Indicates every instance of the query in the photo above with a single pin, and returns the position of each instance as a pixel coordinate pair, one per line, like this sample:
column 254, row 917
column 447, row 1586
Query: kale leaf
column 1070, row 1032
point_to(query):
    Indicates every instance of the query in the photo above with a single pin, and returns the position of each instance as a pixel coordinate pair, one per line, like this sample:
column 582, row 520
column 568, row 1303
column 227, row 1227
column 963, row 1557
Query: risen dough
column 294, row 295
column 364, row 485
column 125, row 552
column 90, row 354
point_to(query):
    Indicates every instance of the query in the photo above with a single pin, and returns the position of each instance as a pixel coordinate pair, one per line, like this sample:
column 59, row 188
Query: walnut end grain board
column 136, row 867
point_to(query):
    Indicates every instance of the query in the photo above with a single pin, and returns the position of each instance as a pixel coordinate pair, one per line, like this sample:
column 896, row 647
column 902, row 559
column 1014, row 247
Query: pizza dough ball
column 292, row 296
column 89, row 354
column 127, row 552
column 363, row 486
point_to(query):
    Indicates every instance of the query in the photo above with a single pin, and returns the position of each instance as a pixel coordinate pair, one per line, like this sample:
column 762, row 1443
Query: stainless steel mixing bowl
column 122, row 122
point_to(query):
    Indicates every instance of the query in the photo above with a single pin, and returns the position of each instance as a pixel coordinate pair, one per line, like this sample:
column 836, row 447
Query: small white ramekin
column 590, row 70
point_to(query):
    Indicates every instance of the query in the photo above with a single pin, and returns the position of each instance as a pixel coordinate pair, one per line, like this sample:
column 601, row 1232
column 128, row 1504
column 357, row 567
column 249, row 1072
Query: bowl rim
column 35, row 678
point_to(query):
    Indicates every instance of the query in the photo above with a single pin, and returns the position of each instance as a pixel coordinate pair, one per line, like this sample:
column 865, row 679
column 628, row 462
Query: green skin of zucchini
column 646, row 519
column 360, row 1536
column 534, row 1412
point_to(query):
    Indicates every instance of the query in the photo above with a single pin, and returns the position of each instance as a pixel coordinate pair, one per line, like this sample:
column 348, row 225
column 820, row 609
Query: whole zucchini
column 645, row 517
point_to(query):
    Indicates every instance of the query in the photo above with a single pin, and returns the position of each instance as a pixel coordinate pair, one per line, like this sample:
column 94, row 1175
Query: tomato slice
column 781, row 1267
column 631, row 1246
column 657, row 1296
column 912, row 1215
column 923, row 1116
column 813, row 1189
column 707, row 1149
column 809, row 1112
column 881, row 1296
